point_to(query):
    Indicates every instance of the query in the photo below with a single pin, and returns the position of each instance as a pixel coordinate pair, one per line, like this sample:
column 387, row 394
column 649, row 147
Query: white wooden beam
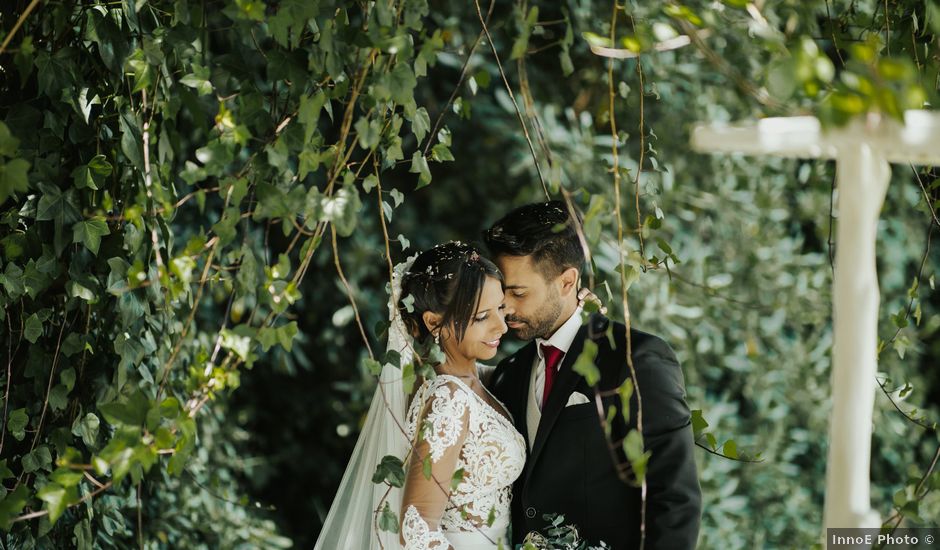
column 917, row 141
column 863, row 150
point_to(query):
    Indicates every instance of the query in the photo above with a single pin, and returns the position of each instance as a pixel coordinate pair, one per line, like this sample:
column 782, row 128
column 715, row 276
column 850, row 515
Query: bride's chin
column 487, row 353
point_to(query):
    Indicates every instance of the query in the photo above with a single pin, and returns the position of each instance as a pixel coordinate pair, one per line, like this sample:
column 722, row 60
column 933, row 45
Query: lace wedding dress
column 459, row 432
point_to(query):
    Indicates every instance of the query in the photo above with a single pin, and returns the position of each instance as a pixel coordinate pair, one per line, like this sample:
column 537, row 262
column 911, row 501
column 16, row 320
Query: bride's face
column 486, row 327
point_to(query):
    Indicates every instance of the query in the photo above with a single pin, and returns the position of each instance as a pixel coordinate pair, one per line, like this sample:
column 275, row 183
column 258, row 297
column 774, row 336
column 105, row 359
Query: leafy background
column 201, row 200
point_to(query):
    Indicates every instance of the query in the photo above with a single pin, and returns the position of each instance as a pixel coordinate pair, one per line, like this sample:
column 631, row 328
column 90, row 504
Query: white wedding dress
column 459, row 430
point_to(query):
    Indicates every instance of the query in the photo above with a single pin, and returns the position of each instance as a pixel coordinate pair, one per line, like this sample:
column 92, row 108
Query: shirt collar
column 564, row 336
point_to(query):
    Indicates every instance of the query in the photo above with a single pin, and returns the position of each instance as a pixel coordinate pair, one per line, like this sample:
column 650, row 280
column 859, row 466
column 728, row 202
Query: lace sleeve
column 441, row 430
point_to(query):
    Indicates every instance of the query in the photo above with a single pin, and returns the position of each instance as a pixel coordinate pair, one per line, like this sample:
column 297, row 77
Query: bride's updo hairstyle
column 448, row 280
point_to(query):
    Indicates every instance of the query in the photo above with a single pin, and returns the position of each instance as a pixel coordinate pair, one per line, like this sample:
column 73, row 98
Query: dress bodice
column 444, row 413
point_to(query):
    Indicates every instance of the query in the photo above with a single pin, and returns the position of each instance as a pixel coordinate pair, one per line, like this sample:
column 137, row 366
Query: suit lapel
column 519, row 386
column 561, row 389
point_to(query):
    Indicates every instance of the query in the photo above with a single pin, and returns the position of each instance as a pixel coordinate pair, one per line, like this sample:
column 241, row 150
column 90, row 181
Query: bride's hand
column 585, row 295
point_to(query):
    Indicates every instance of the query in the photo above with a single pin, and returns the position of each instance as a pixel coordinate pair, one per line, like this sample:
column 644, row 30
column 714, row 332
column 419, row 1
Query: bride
column 459, row 448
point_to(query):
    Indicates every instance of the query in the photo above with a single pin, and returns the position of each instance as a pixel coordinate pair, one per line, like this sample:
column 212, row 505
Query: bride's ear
column 431, row 320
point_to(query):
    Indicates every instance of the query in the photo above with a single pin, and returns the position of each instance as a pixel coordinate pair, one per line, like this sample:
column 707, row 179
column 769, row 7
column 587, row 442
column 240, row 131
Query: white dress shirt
column 561, row 339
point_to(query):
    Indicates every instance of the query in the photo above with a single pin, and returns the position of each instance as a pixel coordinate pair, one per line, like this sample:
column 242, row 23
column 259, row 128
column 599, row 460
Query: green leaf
column 58, row 397
column 375, row 368
column 89, row 233
column 282, row 335
column 521, row 44
column 34, row 280
column 198, row 79
column 33, row 329
column 130, row 412
column 342, row 209
column 369, row 132
column 16, row 423
column 584, row 364
column 66, row 477
column 388, row 521
column 698, row 423
column 13, row 178
column 55, row 205
column 132, row 140
column 309, row 113
column 456, row 479
column 426, row 466
column 12, row 505
column 408, row 378
column 730, row 449
column 92, row 174
column 626, row 393
column 38, row 458
column 390, row 470
column 421, row 124
column 86, row 427
column 57, row 499
column 633, row 444
column 402, row 83
column 441, row 153
column 8, row 142
column 5, row 472
column 237, row 341
column 12, row 280
column 419, row 165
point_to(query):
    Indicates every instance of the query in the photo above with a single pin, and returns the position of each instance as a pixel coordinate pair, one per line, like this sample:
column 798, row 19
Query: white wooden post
column 863, row 151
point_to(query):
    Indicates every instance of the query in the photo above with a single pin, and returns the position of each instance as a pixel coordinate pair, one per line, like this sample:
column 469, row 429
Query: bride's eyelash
column 480, row 319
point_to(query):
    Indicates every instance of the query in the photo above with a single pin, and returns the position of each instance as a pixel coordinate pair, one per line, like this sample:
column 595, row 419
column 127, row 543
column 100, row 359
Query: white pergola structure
column 862, row 151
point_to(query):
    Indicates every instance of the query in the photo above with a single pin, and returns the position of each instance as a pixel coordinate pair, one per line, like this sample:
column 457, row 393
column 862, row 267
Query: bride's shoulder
column 444, row 387
column 445, row 383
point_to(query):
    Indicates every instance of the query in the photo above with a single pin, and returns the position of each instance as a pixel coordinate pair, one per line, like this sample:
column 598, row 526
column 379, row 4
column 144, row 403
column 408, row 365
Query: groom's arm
column 674, row 500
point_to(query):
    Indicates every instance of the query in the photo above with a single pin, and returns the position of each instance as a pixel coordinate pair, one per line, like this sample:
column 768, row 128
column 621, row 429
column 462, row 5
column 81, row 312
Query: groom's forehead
column 520, row 272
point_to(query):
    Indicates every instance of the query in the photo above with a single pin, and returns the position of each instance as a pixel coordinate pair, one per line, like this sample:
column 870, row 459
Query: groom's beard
column 540, row 324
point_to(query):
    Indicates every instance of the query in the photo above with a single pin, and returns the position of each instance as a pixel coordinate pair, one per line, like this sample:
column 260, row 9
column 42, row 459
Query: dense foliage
column 200, row 203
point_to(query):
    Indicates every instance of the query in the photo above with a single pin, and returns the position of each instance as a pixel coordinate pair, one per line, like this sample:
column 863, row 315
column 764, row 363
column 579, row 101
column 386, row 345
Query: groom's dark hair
column 545, row 231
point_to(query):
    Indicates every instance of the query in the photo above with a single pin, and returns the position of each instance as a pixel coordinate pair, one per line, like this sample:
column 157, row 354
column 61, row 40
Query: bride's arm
column 430, row 469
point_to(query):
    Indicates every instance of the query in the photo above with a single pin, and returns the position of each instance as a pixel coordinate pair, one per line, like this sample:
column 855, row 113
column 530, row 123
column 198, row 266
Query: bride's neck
column 462, row 367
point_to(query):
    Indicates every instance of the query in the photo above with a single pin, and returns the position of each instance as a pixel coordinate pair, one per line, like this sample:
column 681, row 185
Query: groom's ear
column 568, row 281
column 431, row 320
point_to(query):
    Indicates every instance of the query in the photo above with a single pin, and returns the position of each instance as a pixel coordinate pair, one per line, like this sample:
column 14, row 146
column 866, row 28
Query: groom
column 570, row 468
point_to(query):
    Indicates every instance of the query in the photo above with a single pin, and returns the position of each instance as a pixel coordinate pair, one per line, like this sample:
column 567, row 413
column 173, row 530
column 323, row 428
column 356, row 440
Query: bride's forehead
column 492, row 291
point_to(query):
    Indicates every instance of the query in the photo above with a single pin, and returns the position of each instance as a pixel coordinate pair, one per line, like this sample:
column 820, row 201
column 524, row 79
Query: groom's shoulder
column 510, row 361
column 611, row 339
column 507, row 369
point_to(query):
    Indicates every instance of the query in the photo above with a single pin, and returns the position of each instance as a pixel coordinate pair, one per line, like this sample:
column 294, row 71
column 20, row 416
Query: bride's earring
column 437, row 338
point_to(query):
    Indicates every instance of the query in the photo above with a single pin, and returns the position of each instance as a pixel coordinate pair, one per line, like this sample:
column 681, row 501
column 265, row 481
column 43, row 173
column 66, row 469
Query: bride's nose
column 503, row 328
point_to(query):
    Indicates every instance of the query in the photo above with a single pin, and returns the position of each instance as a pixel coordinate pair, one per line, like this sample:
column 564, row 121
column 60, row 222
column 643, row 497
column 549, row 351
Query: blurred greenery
column 184, row 366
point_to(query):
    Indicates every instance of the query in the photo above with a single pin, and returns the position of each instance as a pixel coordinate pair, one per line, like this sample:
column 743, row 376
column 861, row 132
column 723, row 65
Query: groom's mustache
column 514, row 319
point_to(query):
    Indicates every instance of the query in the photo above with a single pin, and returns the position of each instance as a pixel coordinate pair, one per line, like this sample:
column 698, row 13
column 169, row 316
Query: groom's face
column 534, row 303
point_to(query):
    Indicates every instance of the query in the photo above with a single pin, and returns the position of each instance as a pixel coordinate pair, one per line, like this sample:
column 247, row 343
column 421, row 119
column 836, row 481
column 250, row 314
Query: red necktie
column 552, row 358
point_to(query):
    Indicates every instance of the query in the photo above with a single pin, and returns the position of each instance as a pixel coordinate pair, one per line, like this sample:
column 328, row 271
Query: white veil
column 352, row 523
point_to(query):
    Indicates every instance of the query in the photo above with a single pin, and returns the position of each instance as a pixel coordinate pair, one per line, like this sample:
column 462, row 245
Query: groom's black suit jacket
column 569, row 469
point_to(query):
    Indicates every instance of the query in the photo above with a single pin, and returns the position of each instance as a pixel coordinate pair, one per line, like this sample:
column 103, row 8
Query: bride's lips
column 492, row 343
